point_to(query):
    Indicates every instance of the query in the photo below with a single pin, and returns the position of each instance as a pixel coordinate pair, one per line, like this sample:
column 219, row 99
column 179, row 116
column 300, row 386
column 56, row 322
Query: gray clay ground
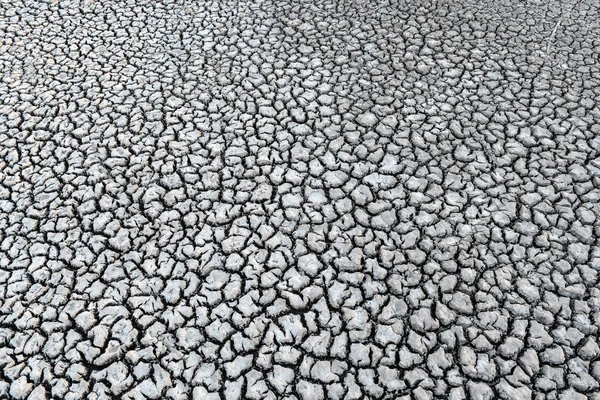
column 291, row 199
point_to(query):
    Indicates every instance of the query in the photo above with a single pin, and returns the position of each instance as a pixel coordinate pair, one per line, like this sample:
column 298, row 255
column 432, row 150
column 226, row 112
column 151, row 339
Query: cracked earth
column 324, row 199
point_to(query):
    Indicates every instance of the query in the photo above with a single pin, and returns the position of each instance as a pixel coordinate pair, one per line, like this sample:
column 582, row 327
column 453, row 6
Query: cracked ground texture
column 291, row 199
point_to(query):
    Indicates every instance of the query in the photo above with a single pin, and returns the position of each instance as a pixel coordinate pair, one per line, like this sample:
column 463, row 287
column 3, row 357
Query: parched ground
column 292, row 199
